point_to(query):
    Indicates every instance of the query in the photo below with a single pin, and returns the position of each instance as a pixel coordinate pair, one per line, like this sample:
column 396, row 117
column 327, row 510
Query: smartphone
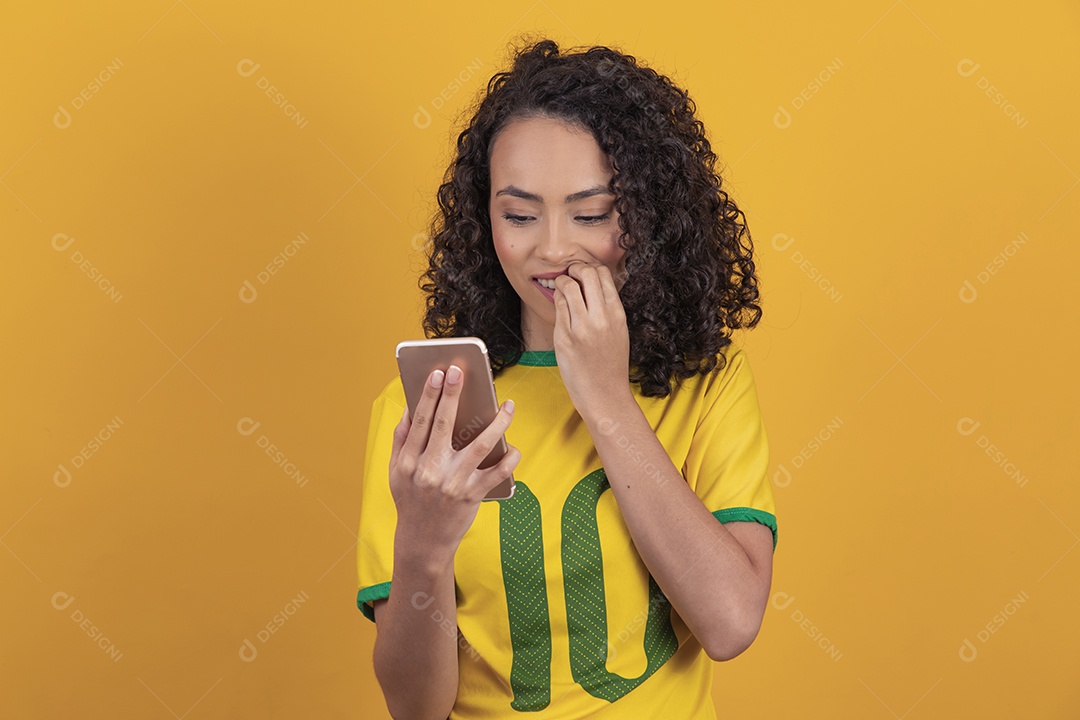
column 477, row 404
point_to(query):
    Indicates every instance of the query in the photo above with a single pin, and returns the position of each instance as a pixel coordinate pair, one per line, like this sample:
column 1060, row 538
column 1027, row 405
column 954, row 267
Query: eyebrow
column 572, row 197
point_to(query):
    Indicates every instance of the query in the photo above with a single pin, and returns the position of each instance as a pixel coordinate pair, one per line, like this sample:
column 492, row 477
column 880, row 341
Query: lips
column 550, row 275
column 549, row 294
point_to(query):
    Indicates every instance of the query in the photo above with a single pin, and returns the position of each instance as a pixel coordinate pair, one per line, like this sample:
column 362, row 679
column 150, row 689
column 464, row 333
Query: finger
column 481, row 446
column 492, row 476
column 401, row 433
column 420, row 423
column 570, row 291
column 562, row 313
column 607, row 283
column 590, row 283
column 442, row 427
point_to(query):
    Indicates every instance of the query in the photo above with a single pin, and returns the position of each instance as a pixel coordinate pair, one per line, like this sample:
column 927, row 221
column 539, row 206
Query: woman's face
column 550, row 207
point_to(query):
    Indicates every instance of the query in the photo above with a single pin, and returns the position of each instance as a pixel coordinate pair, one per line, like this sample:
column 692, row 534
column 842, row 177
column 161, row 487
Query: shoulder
column 736, row 361
column 732, row 369
column 390, row 401
column 728, row 377
column 728, row 386
column 731, row 354
column 393, row 390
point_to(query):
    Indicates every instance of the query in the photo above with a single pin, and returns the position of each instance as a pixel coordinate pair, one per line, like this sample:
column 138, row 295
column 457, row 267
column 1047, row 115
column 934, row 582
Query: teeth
column 549, row 284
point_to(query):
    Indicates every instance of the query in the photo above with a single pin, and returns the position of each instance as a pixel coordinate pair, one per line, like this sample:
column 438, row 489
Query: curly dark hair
column 690, row 271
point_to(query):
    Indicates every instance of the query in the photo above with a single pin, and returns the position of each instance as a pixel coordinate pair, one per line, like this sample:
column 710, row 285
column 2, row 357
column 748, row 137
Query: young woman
column 583, row 234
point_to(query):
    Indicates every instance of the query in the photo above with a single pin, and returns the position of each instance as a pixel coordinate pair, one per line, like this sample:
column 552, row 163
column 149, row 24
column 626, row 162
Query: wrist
column 609, row 409
column 417, row 557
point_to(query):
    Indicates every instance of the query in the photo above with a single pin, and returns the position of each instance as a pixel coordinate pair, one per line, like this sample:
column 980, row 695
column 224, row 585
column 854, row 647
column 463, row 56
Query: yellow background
column 896, row 177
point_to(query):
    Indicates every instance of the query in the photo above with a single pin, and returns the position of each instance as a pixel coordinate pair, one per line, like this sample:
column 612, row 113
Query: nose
column 556, row 242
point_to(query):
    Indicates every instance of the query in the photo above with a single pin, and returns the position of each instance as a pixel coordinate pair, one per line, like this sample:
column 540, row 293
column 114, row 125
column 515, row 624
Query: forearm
column 415, row 655
column 701, row 567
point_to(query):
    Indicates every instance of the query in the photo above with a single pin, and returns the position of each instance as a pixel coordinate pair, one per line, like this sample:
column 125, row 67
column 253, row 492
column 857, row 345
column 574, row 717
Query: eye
column 516, row 219
column 593, row 219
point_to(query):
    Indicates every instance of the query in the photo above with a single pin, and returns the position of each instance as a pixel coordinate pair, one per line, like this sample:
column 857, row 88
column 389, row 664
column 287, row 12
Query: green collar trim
column 538, row 358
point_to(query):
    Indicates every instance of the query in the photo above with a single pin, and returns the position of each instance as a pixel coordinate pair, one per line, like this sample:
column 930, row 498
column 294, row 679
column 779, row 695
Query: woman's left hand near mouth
column 592, row 343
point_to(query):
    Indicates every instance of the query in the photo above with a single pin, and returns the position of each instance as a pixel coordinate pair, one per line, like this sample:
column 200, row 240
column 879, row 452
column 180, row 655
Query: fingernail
column 437, row 378
column 510, row 406
column 453, row 374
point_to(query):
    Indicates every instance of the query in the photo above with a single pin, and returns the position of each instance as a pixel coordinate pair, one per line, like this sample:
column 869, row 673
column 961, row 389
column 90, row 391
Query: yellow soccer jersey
column 558, row 614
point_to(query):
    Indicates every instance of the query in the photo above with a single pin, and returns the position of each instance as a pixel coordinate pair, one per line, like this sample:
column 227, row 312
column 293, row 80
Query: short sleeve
column 728, row 460
column 378, row 514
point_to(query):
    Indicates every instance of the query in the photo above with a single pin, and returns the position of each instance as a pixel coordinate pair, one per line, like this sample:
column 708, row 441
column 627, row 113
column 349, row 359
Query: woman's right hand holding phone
column 437, row 489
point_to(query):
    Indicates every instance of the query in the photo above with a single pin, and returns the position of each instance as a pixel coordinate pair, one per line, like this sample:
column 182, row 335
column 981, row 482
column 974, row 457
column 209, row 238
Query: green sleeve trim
column 746, row 514
column 370, row 593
